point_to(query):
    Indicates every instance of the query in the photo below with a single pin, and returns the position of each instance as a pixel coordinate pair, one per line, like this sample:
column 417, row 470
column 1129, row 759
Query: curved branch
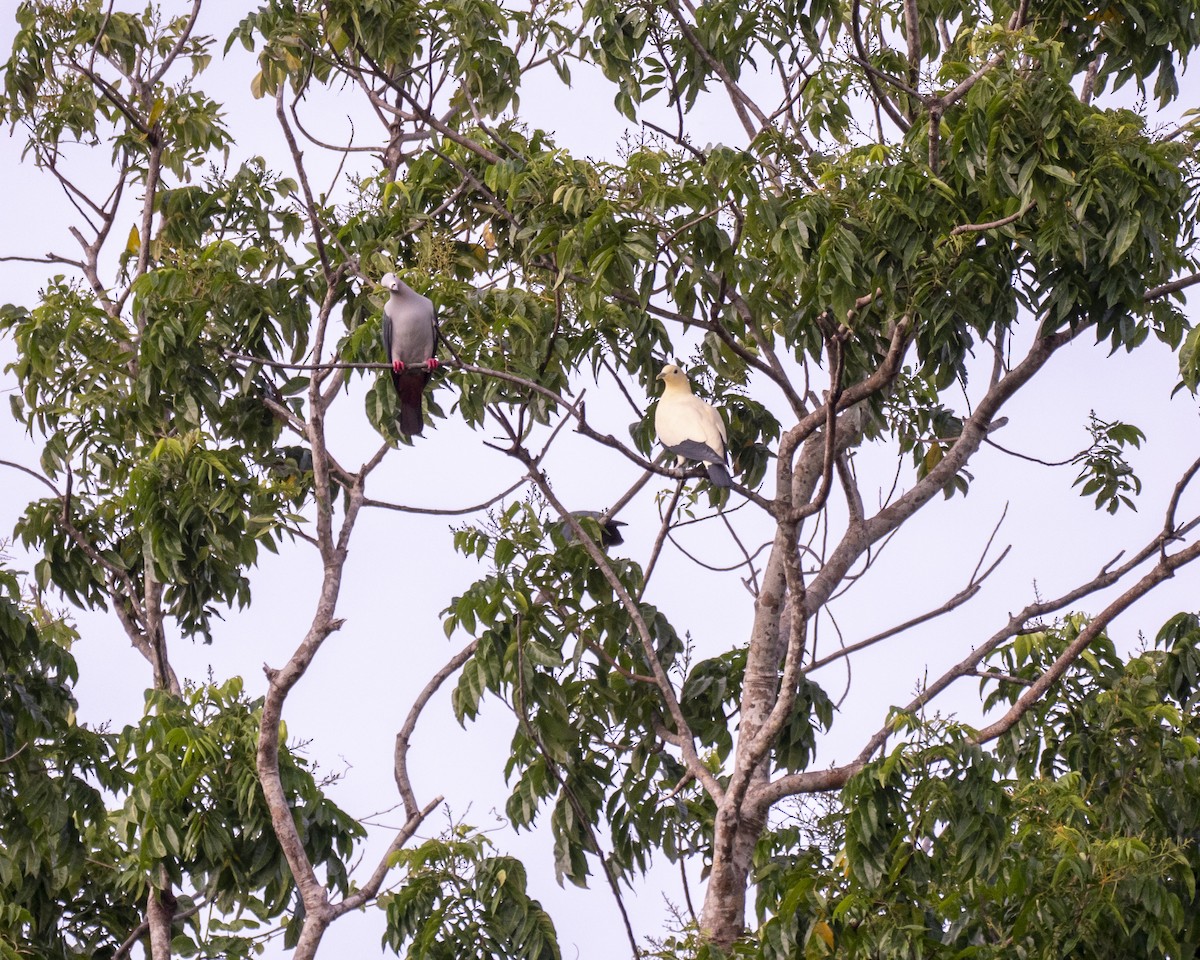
column 403, row 782
column 455, row 512
column 1163, row 570
column 956, row 601
column 1173, row 286
column 993, row 225
column 310, row 205
column 576, row 409
column 741, row 102
column 686, row 741
column 880, row 97
column 663, row 531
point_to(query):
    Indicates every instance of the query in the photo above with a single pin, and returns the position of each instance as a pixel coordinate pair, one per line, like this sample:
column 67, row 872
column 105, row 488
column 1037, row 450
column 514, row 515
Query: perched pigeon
column 689, row 427
column 410, row 338
column 610, row 530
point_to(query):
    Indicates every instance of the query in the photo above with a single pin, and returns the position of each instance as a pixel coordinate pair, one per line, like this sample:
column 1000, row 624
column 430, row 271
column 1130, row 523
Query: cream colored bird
column 691, row 428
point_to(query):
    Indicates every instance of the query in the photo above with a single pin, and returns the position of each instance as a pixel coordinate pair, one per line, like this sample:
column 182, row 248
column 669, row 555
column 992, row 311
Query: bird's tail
column 410, row 388
column 718, row 475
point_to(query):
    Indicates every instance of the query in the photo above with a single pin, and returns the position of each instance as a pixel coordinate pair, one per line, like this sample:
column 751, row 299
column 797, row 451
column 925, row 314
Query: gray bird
column 691, row 428
column 410, row 339
column 610, row 530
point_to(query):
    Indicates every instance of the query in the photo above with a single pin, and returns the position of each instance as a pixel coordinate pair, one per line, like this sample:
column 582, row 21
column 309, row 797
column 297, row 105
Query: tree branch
column 1163, row 570
column 1173, row 286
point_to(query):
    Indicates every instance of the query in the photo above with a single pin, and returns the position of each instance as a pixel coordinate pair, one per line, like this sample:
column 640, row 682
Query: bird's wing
column 695, row 450
column 714, row 428
column 385, row 332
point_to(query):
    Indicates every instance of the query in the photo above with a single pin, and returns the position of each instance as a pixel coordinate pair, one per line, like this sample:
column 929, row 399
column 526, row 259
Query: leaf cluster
column 1074, row 835
column 458, row 899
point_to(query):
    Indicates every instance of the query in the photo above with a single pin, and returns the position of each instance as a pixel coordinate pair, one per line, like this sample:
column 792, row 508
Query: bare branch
column 314, row 220
column 181, row 41
column 956, row 601
column 33, row 473
column 368, row 891
column 946, row 99
column 1163, row 570
column 664, row 529
column 48, row 258
column 686, row 741
column 446, row 512
column 881, row 99
column 993, row 225
column 1173, row 286
column 404, row 737
column 737, row 96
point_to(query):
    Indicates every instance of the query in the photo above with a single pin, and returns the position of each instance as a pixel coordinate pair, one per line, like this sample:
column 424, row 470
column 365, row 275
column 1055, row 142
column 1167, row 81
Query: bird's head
column 672, row 376
column 390, row 282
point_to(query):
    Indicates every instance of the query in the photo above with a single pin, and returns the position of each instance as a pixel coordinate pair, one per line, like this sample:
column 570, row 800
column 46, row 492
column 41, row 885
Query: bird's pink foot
column 432, row 363
column 397, row 366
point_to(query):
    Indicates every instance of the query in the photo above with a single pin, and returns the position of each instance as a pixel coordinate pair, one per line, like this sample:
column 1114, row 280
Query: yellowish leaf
column 825, row 932
column 156, row 111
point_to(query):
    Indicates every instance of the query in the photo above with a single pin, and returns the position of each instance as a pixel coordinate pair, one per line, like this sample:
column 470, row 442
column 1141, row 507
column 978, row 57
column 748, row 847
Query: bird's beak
column 660, row 376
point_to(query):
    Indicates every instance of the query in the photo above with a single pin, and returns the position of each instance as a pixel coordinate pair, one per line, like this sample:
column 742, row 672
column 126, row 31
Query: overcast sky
column 403, row 571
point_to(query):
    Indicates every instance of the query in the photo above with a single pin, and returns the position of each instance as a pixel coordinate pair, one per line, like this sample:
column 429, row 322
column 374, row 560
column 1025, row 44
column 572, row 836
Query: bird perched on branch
column 691, row 428
column 610, row 530
column 410, row 338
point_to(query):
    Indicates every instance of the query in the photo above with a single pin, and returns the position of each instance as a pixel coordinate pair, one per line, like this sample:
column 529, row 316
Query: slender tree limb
column 369, row 890
column 686, row 741
column 51, row 258
column 33, row 473
column 752, row 582
column 153, row 175
column 112, row 95
column 177, row 48
column 404, row 737
column 956, row 94
column 428, row 118
column 1163, row 570
column 1173, row 286
column 446, row 512
column 879, row 97
column 742, row 104
column 663, row 530
column 845, row 399
column 993, row 225
column 836, row 777
column 310, row 206
column 1003, row 677
column 956, row 601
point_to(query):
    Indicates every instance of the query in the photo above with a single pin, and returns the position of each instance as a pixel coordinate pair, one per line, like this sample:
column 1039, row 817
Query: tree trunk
column 160, row 911
column 723, row 917
column 741, row 818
